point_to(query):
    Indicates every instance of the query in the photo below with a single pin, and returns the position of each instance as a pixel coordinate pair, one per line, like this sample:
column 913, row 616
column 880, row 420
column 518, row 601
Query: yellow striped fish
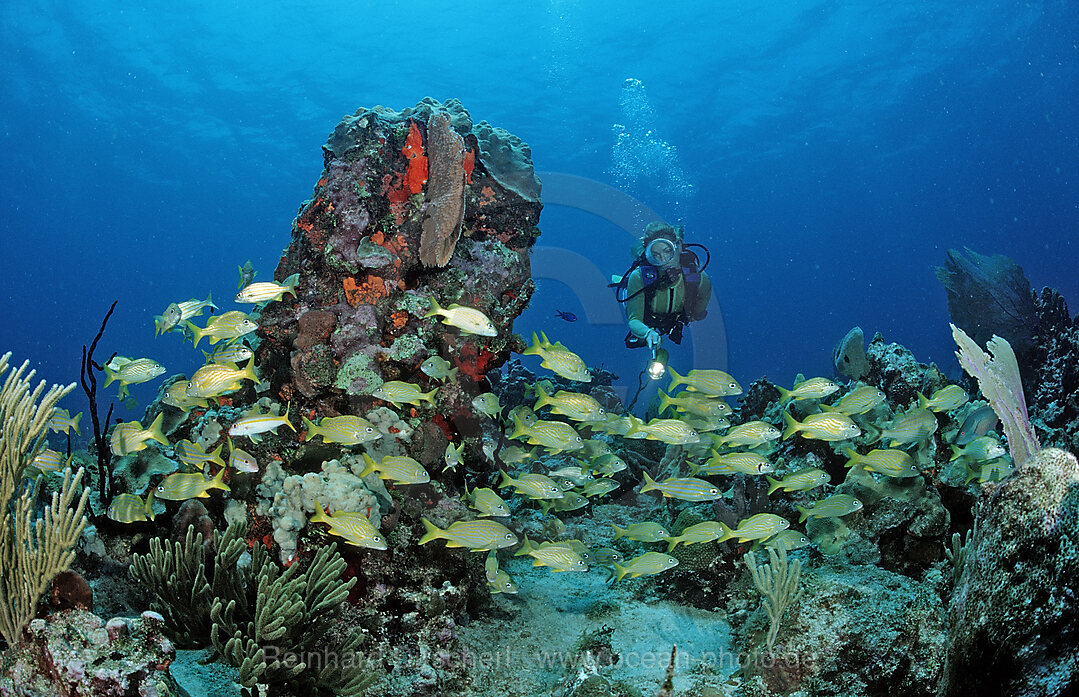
column 642, row 532
column 558, row 556
column 130, row 437
column 534, row 486
column 714, row 383
column 788, row 540
column 599, row 487
column 229, row 354
column 268, row 291
column 731, row 463
column 706, row 531
column 476, row 535
column 670, row 431
column 979, row 450
column 945, row 399
column 826, row 425
column 835, row 506
column 400, row 392
column 487, row 502
column 468, row 319
column 497, row 579
column 813, row 388
column 647, row 564
column 230, row 325
column 194, row 307
column 400, row 469
column 214, row 380
column 49, row 461
column 354, row 528
column 131, row 372
column 61, row 422
column 751, row 433
column 181, row 487
column 345, row 429
column 684, row 488
column 858, row 401
column 553, row 435
column 240, row 460
column 607, row 464
column 802, row 480
column 693, row 403
column 254, row 425
column 575, row 405
column 131, row 508
column 568, row 502
column 176, row 396
column 558, row 359
column 755, row 527
column 890, row 463
column 193, row 454
column 910, row 427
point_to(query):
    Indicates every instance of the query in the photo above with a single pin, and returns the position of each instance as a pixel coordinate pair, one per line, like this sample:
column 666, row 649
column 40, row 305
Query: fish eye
column 509, row 535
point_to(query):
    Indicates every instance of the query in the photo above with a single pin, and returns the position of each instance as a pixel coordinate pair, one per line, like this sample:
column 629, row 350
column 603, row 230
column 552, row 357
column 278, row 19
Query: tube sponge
column 998, row 379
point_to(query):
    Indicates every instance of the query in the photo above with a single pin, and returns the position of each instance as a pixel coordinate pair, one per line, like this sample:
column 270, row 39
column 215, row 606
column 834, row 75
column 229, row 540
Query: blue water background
column 827, row 153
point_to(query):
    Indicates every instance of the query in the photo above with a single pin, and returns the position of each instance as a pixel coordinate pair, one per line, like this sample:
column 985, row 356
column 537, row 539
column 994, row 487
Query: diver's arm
column 700, row 305
column 635, row 306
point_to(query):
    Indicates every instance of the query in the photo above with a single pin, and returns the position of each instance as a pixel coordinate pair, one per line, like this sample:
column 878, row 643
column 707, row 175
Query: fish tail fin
column 792, row 425
column 526, row 547
column 197, row 333
column 433, row 532
column 287, row 408
column 546, row 342
column 218, row 482
column 291, row 283
column 618, row 532
column 672, row 542
column 774, row 484
column 803, row 514
column 649, row 484
column 370, row 466
column 155, row 430
column 110, row 376
column 249, row 373
column 665, row 401
column 429, row 397
column 215, row 456
column 784, row 394
column 545, row 506
column 873, row 433
column 619, row 572
column 319, row 516
column 676, row 379
column 542, row 398
column 75, row 423
column 519, row 428
column 534, row 348
column 923, row 401
column 435, row 310
column 506, row 480
column 148, row 504
column 311, row 429
column 453, row 373
column 727, row 533
column 956, row 453
column 210, row 301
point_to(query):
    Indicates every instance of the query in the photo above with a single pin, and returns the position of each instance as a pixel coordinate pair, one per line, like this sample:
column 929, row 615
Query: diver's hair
column 658, row 228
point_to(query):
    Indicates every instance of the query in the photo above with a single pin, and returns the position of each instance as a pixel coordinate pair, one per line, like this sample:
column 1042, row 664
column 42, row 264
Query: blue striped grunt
column 684, row 488
column 476, row 535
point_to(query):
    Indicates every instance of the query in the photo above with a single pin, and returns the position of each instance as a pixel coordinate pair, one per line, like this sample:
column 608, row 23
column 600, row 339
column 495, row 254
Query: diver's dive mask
column 663, row 251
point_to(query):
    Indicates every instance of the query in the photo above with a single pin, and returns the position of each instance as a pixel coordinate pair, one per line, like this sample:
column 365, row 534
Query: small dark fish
column 568, row 316
column 978, row 423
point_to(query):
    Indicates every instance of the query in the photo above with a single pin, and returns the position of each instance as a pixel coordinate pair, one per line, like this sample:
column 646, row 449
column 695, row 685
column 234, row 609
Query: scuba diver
column 665, row 288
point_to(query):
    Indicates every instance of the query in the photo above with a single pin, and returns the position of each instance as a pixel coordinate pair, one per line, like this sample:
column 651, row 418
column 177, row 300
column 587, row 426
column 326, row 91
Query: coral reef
column 75, row 653
column 1014, row 614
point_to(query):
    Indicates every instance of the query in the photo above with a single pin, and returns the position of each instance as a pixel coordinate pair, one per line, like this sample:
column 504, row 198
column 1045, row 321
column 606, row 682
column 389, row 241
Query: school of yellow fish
column 559, row 423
